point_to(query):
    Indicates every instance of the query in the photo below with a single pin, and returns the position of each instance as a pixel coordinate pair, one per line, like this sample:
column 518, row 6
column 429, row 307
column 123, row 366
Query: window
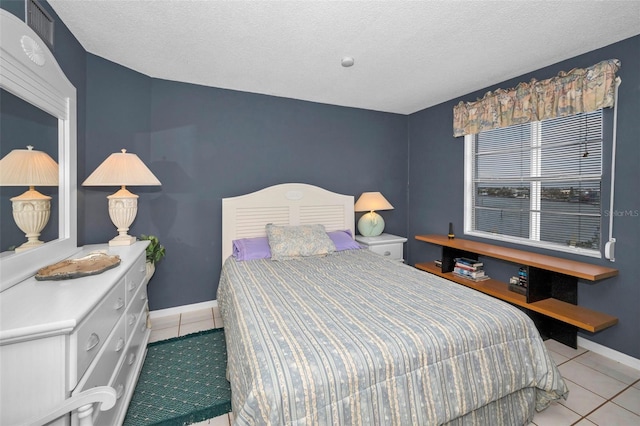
column 537, row 183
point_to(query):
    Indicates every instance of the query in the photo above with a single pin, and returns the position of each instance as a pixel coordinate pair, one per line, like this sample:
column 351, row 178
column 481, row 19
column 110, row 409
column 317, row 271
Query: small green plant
column 155, row 250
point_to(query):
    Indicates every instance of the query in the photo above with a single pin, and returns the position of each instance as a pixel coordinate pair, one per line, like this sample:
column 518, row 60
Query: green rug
column 182, row 381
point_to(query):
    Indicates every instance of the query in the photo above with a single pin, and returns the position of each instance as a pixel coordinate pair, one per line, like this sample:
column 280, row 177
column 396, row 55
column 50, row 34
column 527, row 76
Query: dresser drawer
column 108, row 418
column 136, row 310
column 95, row 329
column 135, row 276
column 393, row 251
column 140, row 334
column 105, row 365
column 125, row 381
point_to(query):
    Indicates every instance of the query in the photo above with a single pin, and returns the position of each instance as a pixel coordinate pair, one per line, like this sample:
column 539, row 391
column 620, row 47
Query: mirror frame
column 29, row 70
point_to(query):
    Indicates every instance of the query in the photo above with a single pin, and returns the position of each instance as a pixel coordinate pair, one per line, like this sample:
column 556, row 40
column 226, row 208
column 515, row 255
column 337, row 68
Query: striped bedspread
column 357, row 339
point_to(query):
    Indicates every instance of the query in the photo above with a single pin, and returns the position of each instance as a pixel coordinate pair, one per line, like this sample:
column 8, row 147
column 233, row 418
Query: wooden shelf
column 578, row 316
column 572, row 268
column 551, row 293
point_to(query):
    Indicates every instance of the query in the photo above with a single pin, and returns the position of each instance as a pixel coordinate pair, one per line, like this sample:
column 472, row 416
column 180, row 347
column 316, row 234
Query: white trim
column 44, row 85
column 161, row 313
column 541, row 244
column 614, row 355
column 609, row 247
column 468, row 183
column 535, row 186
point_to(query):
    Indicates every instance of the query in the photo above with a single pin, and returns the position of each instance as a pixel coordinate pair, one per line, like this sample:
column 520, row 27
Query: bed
column 350, row 337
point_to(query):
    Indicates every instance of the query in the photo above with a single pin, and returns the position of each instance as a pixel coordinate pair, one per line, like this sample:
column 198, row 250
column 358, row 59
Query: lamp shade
column 122, row 168
column 371, row 201
column 28, row 167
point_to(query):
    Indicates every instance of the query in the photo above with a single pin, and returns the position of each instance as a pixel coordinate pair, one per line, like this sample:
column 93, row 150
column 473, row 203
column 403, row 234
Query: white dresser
column 58, row 338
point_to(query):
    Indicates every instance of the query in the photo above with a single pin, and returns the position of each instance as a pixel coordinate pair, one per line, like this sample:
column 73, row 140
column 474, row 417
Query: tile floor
column 601, row 391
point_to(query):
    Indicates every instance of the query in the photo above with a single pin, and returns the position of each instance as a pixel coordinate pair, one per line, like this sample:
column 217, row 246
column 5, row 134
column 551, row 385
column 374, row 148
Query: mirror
column 30, row 73
column 22, row 124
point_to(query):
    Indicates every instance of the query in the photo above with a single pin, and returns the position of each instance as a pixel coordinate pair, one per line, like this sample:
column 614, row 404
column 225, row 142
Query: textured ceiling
column 408, row 55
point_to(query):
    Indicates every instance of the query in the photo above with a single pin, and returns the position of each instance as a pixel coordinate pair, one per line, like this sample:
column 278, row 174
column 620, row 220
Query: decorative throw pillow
column 251, row 248
column 289, row 242
column 343, row 240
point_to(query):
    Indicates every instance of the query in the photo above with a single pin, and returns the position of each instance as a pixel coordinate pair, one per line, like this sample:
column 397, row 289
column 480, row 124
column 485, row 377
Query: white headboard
column 245, row 216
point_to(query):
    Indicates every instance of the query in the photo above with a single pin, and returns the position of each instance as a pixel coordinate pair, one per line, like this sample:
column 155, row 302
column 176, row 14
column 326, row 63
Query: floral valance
column 579, row 90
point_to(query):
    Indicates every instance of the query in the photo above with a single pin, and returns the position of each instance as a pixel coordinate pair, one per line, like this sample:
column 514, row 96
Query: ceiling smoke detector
column 347, row 61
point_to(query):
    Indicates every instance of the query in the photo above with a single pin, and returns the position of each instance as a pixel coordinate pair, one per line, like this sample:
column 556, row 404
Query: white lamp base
column 123, row 208
column 371, row 224
column 31, row 211
column 122, row 240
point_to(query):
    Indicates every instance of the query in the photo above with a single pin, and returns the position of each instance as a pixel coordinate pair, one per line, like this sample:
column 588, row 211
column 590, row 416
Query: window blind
column 541, row 181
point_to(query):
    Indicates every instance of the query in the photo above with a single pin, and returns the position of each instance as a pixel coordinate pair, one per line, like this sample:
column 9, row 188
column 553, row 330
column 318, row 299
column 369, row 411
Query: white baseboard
column 183, row 309
column 627, row 360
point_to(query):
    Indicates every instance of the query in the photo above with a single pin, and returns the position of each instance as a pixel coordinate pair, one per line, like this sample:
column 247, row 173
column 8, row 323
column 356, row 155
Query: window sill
column 540, row 244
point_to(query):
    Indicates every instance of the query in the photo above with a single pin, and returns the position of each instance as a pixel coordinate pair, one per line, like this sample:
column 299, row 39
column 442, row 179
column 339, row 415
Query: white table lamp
column 31, row 210
column 371, row 224
column 122, row 169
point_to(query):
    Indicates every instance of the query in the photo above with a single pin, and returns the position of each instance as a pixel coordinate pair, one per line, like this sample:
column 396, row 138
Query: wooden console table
column 552, row 291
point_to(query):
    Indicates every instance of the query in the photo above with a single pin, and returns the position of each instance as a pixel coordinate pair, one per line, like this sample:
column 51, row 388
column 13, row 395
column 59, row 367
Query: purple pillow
column 258, row 248
column 251, row 248
column 343, row 240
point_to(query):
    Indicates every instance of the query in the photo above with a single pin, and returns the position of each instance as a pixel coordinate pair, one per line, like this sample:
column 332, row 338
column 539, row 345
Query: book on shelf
column 518, row 289
column 466, row 272
column 467, row 267
column 470, row 278
column 522, row 277
column 469, row 262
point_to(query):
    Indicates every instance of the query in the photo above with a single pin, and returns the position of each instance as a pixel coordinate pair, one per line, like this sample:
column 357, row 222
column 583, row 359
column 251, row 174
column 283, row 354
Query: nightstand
column 385, row 245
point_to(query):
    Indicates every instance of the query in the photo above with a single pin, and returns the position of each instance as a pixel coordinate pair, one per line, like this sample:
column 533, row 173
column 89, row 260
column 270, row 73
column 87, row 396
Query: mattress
column 354, row 338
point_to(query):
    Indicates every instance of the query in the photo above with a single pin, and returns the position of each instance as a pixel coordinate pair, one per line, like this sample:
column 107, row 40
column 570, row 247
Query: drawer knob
column 92, row 342
column 119, row 304
column 132, row 319
column 132, row 285
column 120, row 344
column 387, row 253
column 132, row 358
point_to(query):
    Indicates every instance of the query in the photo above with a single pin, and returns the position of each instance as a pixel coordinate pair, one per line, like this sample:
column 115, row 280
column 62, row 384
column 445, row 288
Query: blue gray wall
column 205, row 144
column 436, row 189
column 117, row 117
